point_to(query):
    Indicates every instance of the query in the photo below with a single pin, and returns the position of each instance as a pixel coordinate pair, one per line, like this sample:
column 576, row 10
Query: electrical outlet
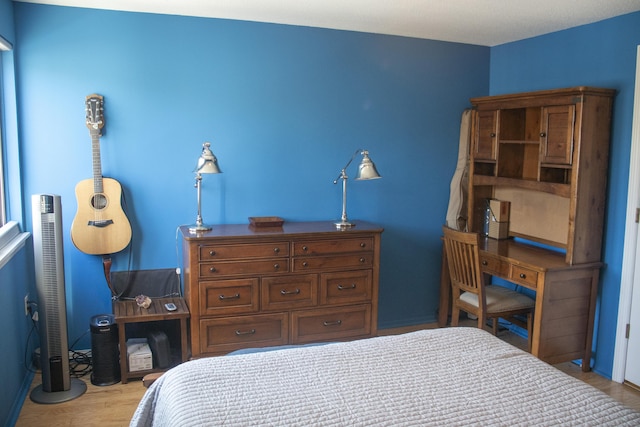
column 26, row 305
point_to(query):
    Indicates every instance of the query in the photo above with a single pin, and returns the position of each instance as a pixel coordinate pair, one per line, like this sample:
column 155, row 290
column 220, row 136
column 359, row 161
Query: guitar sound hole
column 99, row 201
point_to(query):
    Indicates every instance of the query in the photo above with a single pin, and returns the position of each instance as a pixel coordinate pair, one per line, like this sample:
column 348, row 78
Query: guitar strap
column 106, row 264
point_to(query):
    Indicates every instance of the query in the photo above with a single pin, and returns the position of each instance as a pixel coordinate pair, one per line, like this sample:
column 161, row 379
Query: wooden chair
column 469, row 291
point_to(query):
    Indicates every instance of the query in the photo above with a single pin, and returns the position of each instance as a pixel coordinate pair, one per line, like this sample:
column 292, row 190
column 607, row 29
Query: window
column 3, row 211
column 4, row 46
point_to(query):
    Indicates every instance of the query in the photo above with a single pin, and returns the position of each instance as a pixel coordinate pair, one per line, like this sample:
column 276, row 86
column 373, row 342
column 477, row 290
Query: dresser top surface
column 288, row 229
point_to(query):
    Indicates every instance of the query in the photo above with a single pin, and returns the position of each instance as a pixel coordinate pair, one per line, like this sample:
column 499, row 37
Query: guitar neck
column 97, row 167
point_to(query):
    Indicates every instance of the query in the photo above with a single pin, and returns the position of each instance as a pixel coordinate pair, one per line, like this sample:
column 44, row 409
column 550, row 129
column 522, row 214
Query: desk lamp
column 207, row 163
column 366, row 170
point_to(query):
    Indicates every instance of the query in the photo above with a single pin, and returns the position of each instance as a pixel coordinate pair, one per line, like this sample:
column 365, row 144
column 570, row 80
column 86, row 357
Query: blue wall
column 603, row 55
column 284, row 107
column 18, row 337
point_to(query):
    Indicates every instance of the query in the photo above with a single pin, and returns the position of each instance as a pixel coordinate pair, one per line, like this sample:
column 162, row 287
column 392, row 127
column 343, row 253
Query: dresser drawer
column 222, row 335
column 330, row 323
column 319, row 263
column 240, row 251
column 335, row 246
column 493, row 266
column 524, row 276
column 288, row 292
column 228, row 268
column 345, row 287
column 225, row 297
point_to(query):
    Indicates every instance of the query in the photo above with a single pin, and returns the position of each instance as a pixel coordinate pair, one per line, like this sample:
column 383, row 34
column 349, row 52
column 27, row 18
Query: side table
column 126, row 312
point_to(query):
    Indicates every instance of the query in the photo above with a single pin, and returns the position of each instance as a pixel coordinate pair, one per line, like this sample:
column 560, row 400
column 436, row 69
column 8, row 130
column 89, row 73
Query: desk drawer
column 320, row 263
column 229, row 268
column 345, row 287
column 334, row 246
column 257, row 250
column 224, row 297
column 288, row 292
column 330, row 323
column 493, row 266
column 524, row 276
column 227, row 334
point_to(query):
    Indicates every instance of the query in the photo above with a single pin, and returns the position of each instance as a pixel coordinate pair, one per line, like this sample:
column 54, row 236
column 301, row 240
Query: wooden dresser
column 265, row 286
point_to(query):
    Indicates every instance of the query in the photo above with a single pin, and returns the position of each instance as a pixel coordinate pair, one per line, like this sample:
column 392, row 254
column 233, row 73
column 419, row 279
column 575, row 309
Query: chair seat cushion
column 500, row 299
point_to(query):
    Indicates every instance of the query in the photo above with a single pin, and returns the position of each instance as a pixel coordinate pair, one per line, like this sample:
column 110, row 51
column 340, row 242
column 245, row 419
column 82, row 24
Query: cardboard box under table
column 139, row 355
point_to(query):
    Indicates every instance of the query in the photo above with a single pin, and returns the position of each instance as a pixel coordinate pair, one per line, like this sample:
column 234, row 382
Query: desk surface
column 534, row 257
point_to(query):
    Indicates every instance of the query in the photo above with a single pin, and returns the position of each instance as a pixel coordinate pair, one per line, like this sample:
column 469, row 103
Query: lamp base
column 344, row 225
column 199, row 228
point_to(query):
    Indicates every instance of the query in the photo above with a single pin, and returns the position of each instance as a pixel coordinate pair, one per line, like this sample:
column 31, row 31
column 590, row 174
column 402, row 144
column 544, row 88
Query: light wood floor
column 114, row 405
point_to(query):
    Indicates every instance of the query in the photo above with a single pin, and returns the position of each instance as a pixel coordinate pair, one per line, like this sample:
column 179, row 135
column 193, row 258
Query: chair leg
column 455, row 315
column 529, row 331
column 494, row 326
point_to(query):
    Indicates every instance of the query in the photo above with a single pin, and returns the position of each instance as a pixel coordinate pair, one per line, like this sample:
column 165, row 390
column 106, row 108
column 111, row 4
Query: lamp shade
column 367, row 169
column 207, row 163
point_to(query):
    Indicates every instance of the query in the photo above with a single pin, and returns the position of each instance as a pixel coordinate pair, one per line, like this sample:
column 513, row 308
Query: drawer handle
column 492, row 134
column 523, row 276
column 335, row 323
column 363, row 245
column 212, row 253
column 276, row 266
column 305, row 248
column 225, row 298
column 212, row 269
column 276, row 250
column 251, row 332
column 305, row 264
column 542, row 134
column 484, row 262
column 342, row 288
column 286, row 292
column 363, row 260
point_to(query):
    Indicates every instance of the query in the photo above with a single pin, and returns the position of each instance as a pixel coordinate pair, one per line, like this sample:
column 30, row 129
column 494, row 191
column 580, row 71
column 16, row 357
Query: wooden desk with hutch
column 267, row 286
column 547, row 154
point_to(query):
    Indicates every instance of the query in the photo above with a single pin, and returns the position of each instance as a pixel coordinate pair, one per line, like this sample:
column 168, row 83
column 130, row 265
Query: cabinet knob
column 212, row 253
column 492, row 134
column 212, row 269
column 363, row 260
column 542, row 134
column 305, row 264
column 484, row 262
column 305, row 248
column 276, row 250
column 363, row 245
column 276, row 266
column 523, row 276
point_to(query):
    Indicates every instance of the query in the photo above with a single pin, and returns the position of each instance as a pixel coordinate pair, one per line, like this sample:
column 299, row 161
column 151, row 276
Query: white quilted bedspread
column 453, row 376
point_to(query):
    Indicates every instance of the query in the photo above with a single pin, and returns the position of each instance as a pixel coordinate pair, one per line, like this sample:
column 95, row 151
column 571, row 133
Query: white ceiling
column 480, row 22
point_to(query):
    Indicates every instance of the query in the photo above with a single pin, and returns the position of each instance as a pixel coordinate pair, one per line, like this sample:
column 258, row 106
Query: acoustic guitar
column 100, row 226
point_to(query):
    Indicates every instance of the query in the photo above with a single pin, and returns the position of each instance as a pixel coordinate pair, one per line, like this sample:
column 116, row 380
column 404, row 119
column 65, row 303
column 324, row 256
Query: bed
column 451, row 376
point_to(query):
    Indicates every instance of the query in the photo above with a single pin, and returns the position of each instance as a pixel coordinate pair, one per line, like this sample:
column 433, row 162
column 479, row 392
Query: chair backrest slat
column 463, row 258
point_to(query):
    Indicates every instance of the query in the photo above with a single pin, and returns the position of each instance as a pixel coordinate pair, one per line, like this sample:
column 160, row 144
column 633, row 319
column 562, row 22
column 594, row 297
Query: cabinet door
column 484, row 145
column 556, row 134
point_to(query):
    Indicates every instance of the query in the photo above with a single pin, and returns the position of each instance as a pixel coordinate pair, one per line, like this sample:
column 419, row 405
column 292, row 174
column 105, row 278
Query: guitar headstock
column 94, row 107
